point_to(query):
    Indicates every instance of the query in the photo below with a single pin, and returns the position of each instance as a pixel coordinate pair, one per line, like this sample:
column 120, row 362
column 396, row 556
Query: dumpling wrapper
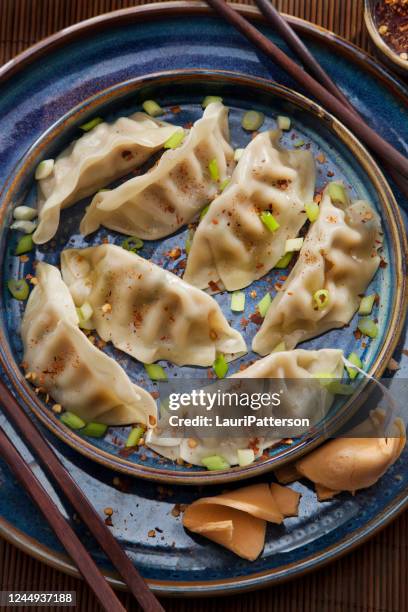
column 286, row 499
column 349, row 464
column 313, row 403
column 76, row 374
column 237, row 519
column 339, row 254
column 231, row 243
column 94, row 160
column 170, row 195
column 153, row 313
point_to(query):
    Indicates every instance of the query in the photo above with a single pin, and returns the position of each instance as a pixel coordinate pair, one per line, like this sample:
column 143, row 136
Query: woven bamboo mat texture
column 371, row 579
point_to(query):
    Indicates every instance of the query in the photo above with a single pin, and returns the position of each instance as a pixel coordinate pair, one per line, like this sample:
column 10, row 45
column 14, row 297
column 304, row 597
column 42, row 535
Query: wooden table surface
column 371, row 579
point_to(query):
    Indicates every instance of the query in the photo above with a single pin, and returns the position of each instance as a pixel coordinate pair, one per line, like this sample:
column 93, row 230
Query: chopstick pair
column 68, row 538
column 322, row 89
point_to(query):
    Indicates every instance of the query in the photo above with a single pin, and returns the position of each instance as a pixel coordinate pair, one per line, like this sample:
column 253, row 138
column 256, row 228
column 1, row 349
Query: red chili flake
column 108, row 521
column 256, row 318
column 105, row 240
column 210, row 374
column 321, row 158
column 383, row 263
column 188, row 125
column 330, row 174
column 127, row 155
column 174, row 253
column 357, row 334
column 317, row 198
column 244, row 322
column 405, row 352
column 175, row 110
column 213, row 286
column 215, row 221
column 259, row 266
column 127, row 451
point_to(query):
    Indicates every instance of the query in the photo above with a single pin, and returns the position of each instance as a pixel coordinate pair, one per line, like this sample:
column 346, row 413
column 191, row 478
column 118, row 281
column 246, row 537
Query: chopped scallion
column 189, row 241
column 25, row 245
column 136, row 434
column 252, row 120
column 132, row 244
column 269, row 221
column 204, row 212
column 337, row 388
column 238, row 154
column 220, row 366
column 284, row 123
column 225, row 184
column 293, row 244
column 279, row 348
column 174, row 141
column 263, row 305
column 43, row 170
column 246, row 456
column 366, row 304
column 85, row 313
column 299, row 143
column 152, row 108
column 238, row 301
column 25, row 213
column 312, row 211
column 94, row 430
column 90, row 125
column 355, row 360
column 19, row 289
column 284, row 261
column 214, row 170
column 155, row 371
column 215, row 462
column 321, row 299
column 24, row 226
column 72, row 421
column 338, row 194
column 210, row 100
column 368, row 327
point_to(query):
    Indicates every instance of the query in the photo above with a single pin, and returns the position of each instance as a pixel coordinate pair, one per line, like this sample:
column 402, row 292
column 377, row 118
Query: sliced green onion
column 269, row 221
column 25, row 213
column 214, row 170
column 321, row 299
column 24, row 226
column 90, row 125
column 72, row 421
column 279, row 348
column 246, row 456
column 299, row 143
column 215, row 462
column 238, row 301
column 238, row 154
column 152, row 108
column 220, row 366
column 338, row 194
column 19, row 289
column 25, row 245
column 355, row 360
column 225, row 184
column 263, row 305
column 189, row 241
column 293, row 244
column 209, row 100
column 43, row 170
column 204, row 212
column 85, row 313
column 94, row 430
column 155, row 371
column 284, row 123
column 284, row 261
column 174, row 141
column 103, row 190
column 366, row 304
column 252, row 120
column 136, row 434
column 368, row 327
column 133, row 243
column 337, row 388
column 312, row 211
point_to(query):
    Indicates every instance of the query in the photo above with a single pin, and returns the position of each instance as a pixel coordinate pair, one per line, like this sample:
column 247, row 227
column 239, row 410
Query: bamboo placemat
column 371, row 579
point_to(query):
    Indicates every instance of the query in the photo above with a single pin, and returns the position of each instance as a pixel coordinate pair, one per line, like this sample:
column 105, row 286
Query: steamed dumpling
column 339, row 255
column 231, row 243
column 76, row 374
column 306, row 401
column 100, row 156
column 146, row 311
column 159, row 202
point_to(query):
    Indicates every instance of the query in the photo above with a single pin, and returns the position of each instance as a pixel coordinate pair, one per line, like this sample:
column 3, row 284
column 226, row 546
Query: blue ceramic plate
column 49, row 82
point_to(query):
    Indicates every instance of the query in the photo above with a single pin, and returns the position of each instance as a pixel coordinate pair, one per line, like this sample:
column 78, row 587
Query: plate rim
column 391, row 215
column 349, row 50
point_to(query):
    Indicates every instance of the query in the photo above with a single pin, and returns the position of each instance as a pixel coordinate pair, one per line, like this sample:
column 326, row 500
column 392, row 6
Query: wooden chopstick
column 274, row 17
column 60, row 526
column 353, row 121
column 54, row 468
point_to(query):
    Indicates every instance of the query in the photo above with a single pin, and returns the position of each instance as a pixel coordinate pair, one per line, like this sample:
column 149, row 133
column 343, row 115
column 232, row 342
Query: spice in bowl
column 392, row 24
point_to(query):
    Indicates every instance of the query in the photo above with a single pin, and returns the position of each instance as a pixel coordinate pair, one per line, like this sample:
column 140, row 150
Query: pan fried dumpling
column 76, row 374
column 338, row 256
column 100, row 156
column 146, row 311
column 231, row 243
column 159, row 202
